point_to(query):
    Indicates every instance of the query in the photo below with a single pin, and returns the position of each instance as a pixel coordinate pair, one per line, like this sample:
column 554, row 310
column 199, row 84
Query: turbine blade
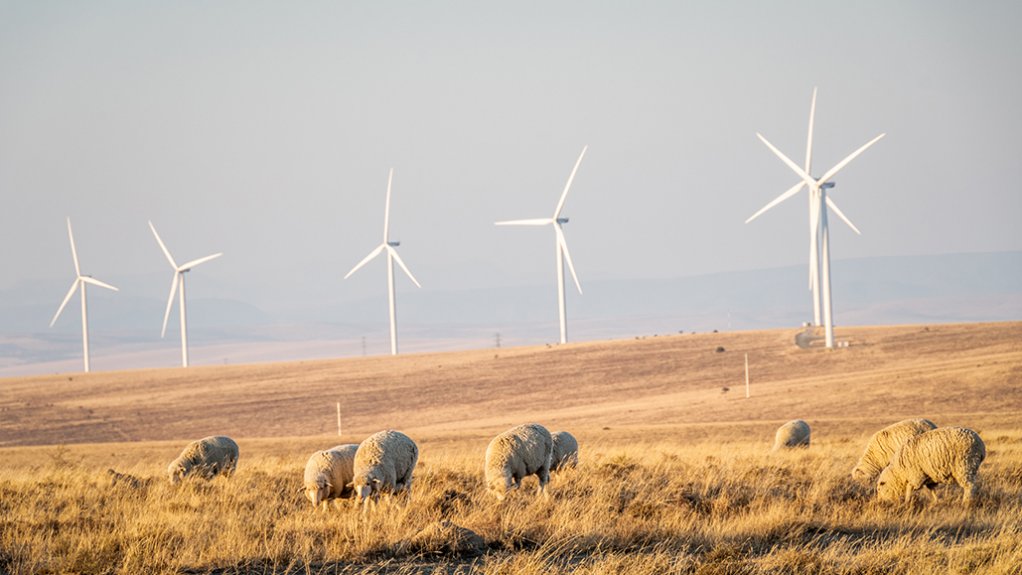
column 67, row 298
column 795, row 167
column 563, row 244
column 386, row 209
column 809, row 140
column 194, row 263
column 567, row 186
column 170, row 302
column 401, row 263
column 533, row 222
column 163, row 247
column 791, row 192
column 96, row 282
column 74, row 251
column 831, row 172
column 834, row 207
column 365, row 260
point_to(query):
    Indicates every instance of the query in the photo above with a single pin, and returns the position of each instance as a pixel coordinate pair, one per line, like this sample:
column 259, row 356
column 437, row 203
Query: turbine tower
column 819, row 227
column 177, row 284
column 392, row 256
column 561, row 246
column 80, row 282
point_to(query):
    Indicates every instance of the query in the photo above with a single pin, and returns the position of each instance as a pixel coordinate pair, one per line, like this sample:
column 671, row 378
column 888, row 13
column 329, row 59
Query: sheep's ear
column 377, row 481
column 330, row 485
column 350, row 485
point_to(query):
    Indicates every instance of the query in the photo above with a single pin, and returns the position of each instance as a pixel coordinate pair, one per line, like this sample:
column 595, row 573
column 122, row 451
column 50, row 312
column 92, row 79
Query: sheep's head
column 318, row 491
column 889, row 487
column 862, row 473
column 365, row 487
column 177, row 471
column 499, row 487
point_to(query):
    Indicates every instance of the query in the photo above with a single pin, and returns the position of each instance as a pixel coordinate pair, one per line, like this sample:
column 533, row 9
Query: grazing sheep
column 884, row 443
column 565, row 451
column 383, row 465
column 208, row 457
column 515, row 454
column 329, row 473
column 795, row 433
column 937, row 456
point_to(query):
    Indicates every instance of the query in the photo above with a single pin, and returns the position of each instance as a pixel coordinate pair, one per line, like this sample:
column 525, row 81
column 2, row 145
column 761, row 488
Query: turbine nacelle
column 827, row 185
column 393, row 244
column 561, row 220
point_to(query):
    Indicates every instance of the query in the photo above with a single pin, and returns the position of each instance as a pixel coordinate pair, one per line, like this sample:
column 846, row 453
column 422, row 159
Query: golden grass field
column 676, row 475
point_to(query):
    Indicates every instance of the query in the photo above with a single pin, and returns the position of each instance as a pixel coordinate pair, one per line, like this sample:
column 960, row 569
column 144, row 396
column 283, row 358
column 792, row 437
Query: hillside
column 971, row 373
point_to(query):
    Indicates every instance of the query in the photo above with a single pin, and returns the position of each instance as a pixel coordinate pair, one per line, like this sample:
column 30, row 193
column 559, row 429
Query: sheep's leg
column 908, row 493
column 544, row 477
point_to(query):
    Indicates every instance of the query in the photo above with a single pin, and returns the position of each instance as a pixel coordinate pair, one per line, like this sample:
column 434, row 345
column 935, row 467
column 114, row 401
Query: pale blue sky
column 265, row 130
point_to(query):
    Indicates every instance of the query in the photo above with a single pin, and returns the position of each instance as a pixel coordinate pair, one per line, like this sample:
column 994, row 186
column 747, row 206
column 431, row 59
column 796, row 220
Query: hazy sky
column 265, row 130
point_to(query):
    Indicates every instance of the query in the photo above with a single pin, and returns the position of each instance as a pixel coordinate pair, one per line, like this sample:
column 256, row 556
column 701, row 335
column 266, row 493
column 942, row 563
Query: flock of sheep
column 907, row 456
column 901, row 458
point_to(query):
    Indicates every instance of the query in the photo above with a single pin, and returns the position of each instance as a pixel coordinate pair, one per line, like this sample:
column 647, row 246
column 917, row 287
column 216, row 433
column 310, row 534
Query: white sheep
column 515, row 454
column 937, row 456
column 565, row 451
column 795, row 433
column 329, row 473
column 207, row 457
column 383, row 465
column 884, row 443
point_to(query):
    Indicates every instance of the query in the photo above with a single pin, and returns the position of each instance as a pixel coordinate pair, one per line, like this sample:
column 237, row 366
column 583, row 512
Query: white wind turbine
column 80, row 281
column 177, row 284
column 392, row 256
column 819, row 229
column 561, row 246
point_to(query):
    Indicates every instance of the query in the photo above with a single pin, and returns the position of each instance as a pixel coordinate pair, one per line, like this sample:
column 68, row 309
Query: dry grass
column 676, row 475
column 645, row 506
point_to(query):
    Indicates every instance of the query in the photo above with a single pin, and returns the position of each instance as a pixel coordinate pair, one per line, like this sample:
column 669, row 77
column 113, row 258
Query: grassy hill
column 676, row 475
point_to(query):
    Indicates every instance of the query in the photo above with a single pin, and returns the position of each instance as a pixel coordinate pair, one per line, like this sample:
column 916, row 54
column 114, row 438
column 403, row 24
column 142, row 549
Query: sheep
column 328, row 474
column 795, row 433
column 515, row 454
column 210, row 456
column 383, row 465
column 884, row 443
column 937, row 456
column 565, row 451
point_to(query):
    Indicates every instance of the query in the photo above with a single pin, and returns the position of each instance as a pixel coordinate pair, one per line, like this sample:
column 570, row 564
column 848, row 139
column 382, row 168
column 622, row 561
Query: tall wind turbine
column 80, row 281
column 819, row 228
column 177, row 284
column 561, row 245
column 392, row 256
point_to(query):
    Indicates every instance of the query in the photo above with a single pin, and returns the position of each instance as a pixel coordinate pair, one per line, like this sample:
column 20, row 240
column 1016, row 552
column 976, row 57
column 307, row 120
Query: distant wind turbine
column 819, row 228
column 561, row 246
column 177, row 284
column 80, row 281
column 392, row 256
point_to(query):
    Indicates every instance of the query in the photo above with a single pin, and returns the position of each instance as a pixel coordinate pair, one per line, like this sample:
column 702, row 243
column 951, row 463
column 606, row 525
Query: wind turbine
column 392, row 256
column 819, row 227
column 177, row 284
column 80, row 281
column 561, row 245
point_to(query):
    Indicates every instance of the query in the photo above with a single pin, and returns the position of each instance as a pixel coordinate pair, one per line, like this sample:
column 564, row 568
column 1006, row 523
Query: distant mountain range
column 890, row 290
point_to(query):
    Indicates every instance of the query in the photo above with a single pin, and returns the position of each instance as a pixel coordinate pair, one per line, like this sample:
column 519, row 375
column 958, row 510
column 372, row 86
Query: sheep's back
column 391, row 452
column 940, row 451
column 885, row 443
column 529, row 445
